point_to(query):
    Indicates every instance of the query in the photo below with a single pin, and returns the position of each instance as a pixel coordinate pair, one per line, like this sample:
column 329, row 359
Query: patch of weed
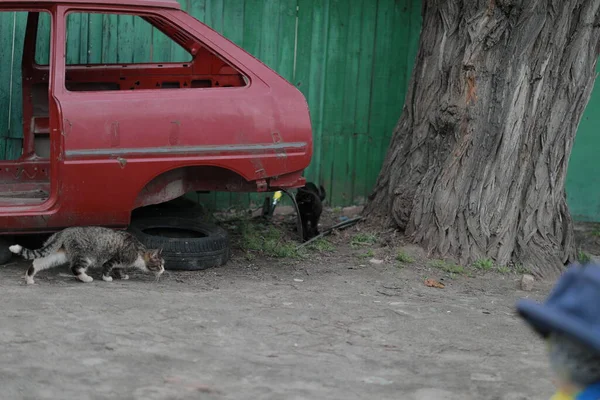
column 596, row 232
column 266, row 240
column 583, row 257
column 321, row 245
column 363, row 239
column 368, row 254
column 404, row 257
column 503, row 269
column 521, row 269
column 484, row 264
column 517, row 269
column 448, row 267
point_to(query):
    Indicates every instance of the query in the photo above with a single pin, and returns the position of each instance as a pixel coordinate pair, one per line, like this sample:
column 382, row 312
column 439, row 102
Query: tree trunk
column 477, row 163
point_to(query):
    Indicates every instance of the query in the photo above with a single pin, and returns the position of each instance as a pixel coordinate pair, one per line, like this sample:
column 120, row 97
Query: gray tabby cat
column 85, row 247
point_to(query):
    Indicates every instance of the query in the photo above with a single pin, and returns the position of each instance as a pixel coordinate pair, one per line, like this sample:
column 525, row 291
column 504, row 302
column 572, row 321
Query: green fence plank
column 269, row 49
column 15, row 131
column 344, row 165
column 84, row 32
column 126, row 32
column 74, row 38
column 362, row 185
column 287, row 38
column 42, row 45
column 378, row 119
column 233, row 22
column 316, row 79
column 109, row 38
column 14, row 148
column 303, row 60
column 95, row 39
column 415, row 21
column 142, row 42
column 252, row 21
column 6, row 59
column 198, row 9
column 334, row 97
column 214, row 14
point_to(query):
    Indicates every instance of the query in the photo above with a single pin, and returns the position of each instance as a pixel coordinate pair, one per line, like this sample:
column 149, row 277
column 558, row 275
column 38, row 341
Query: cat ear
column 156, row 253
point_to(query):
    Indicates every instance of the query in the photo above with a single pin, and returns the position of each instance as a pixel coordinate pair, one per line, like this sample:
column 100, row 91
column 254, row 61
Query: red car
column 102, row 139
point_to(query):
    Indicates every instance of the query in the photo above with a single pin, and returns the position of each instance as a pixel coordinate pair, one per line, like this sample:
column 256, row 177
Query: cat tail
column 51, row 245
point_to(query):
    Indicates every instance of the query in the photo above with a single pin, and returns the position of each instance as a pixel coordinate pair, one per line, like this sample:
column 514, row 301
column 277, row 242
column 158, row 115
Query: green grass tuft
column 505, row 270
column 583, row 257
column 321, row 245
column 484, row 264
column 448, row 267
column 363, row 239
column 368, row 254
column 404, row 257
column 266, row 240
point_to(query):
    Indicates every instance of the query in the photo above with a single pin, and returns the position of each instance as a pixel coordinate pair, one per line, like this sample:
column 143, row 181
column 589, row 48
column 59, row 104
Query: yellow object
column 276, row 197
column 562, row 396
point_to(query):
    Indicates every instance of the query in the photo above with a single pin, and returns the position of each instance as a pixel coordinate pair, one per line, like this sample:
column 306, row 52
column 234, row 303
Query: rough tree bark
column 477, row 163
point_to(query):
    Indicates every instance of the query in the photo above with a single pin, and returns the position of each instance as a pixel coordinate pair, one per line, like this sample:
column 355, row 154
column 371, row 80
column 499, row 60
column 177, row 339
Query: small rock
column 376, row 261
column 527, row 282
column 298, row 280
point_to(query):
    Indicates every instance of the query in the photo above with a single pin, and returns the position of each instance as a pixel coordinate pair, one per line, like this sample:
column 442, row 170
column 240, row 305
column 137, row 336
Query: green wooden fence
column 352, row 59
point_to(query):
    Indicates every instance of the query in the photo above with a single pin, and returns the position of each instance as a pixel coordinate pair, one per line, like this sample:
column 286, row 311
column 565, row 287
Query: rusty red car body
column 119, row 137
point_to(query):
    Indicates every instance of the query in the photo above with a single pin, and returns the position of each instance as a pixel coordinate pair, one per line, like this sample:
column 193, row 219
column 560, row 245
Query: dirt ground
column 328, row 325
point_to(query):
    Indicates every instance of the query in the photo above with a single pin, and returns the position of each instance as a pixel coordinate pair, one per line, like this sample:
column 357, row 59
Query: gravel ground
column 330, row 326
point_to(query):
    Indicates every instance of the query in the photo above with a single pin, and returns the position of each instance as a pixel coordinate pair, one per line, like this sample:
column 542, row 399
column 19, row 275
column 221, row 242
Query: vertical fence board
column 344, row 165
column 362, row 185
column 74, row 42
column 95, row 36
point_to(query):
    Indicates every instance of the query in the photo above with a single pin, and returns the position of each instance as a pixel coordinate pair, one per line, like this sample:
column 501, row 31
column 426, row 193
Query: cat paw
column 125, row 277
column 15, row 248
column 28, row 280
column 85, row 278
column 107, row 278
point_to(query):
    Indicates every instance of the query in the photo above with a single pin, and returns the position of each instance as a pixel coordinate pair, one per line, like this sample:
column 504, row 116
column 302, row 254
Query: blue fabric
column 572, row 308
column 590, row 393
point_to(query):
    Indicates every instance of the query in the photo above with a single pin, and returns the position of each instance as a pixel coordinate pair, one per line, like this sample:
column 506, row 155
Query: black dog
column 310, row 204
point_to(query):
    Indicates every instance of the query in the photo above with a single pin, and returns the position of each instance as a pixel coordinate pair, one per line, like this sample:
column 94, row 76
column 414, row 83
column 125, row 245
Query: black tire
column 5, row 254
column 209, row 248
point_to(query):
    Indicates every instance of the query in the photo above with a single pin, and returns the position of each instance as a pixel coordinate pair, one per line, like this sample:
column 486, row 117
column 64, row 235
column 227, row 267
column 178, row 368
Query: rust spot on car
column 67, row 126
column 122, row 162
column 259, row 170
column 279, row 153
column 174, row 133
column 114, row 134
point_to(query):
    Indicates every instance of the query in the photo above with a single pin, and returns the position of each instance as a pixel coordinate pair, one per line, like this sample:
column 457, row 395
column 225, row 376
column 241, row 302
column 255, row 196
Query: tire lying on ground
column 187, row 244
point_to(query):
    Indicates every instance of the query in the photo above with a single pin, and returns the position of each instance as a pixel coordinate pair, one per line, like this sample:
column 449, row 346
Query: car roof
column 137, row 3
